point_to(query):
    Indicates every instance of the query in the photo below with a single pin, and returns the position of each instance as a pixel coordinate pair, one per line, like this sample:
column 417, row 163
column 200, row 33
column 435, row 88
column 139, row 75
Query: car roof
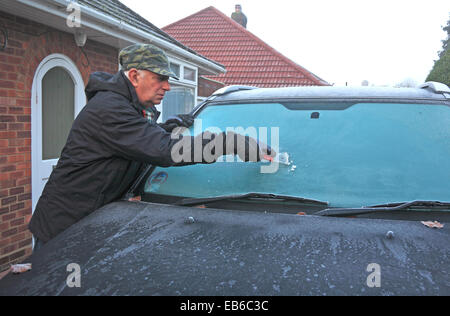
column 427, row 92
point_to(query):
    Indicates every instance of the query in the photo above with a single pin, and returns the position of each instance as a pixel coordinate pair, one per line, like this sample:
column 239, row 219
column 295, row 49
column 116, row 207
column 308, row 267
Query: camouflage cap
column 146, row 57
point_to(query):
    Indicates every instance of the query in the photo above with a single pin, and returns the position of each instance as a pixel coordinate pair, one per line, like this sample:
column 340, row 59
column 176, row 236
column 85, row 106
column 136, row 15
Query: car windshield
column 348, row 154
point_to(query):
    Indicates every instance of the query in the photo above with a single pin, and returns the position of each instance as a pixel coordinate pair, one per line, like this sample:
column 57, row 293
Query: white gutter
column 119, row 29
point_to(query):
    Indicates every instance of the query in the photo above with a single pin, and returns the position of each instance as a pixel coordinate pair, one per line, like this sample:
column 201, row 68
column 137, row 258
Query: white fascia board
column 121, row 30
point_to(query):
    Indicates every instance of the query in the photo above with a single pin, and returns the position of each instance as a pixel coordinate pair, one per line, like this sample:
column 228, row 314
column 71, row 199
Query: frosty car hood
column 150, row 249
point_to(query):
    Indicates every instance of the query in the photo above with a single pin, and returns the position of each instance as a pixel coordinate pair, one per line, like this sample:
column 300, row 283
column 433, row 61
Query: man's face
column 150, row 87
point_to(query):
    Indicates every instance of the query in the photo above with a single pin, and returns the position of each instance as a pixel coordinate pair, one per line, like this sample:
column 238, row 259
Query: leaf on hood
column 434, row 224
column 135, row 199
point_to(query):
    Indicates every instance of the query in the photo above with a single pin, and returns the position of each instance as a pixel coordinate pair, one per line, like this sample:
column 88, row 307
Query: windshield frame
column 345, row 103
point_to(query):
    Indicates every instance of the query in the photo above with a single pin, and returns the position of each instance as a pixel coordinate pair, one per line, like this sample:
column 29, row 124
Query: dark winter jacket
column 108, row 145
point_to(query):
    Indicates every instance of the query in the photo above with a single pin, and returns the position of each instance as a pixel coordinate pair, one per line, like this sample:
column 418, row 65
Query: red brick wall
column 28, row 44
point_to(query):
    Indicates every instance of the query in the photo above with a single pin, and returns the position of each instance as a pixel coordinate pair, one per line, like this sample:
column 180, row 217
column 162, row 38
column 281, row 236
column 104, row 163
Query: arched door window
column 58, row 111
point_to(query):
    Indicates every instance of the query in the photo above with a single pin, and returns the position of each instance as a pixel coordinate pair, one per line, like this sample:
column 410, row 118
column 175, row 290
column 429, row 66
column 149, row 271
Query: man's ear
column 133, row 76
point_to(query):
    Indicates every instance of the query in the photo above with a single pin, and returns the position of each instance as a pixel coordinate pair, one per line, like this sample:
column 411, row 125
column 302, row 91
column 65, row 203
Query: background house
column 43, row 73
column 248, row 59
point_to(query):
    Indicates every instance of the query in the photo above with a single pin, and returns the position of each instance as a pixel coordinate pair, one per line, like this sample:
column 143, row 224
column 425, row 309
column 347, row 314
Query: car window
column 347, row 154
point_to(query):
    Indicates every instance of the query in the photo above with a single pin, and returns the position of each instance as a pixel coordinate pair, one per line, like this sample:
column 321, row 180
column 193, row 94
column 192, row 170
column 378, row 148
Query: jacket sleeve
column 126, row 134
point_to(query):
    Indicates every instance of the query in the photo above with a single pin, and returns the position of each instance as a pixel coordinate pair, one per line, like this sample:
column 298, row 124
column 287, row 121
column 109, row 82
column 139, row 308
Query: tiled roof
column 121, row 12
column 248, row 60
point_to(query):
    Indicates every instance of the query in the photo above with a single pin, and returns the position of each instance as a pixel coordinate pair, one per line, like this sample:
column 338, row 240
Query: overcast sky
column 381, row 41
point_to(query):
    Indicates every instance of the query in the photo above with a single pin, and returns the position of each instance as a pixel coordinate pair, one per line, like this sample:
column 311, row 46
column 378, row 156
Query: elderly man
column 115, row 137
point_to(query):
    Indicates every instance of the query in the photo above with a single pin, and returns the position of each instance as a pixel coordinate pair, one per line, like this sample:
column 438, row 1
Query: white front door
column 57, row 98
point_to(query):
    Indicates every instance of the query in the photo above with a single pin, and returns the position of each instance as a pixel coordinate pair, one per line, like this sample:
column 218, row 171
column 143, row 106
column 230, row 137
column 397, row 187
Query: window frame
column 184, row 65
column 343, row 106
column 181, row 82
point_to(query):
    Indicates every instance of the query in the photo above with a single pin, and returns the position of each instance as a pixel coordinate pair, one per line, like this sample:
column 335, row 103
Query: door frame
column 48, row 63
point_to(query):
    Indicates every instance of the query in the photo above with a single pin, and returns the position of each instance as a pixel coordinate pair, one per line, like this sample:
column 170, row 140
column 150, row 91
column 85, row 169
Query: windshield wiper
column 262, row 197
column 384, row 208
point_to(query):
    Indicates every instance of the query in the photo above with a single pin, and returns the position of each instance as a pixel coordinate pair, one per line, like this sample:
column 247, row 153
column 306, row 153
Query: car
column 356, row 202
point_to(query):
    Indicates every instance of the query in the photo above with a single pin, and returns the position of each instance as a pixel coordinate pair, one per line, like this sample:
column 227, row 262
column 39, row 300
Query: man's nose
column 166, row 86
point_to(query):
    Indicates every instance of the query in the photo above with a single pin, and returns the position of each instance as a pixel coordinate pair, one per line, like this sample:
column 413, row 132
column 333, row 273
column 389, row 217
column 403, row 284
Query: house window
column 179, row 100
column 182, row 98
column 189, row 74
column 176, row 69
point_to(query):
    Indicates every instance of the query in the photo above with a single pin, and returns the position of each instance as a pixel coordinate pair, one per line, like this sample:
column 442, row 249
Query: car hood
column 150, row 249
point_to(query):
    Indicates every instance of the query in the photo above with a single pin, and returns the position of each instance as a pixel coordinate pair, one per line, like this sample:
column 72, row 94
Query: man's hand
column 182, row 120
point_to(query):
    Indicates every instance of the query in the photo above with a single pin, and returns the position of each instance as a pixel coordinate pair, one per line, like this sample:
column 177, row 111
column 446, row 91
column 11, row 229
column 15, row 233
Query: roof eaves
column 119, row 11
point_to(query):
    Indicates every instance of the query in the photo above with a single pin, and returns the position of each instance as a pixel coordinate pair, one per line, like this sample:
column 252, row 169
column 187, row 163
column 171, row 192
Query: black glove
column 182, row 120
column 247, row 148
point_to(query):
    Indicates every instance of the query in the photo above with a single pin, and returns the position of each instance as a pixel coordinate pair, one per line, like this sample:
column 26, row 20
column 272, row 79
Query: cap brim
column 168, row 74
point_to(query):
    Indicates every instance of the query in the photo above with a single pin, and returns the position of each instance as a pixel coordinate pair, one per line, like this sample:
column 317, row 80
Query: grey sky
column 383, row 41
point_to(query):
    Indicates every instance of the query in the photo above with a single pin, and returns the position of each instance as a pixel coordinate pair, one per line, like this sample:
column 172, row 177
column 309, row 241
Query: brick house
column 247, row 58
column 40, row 65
